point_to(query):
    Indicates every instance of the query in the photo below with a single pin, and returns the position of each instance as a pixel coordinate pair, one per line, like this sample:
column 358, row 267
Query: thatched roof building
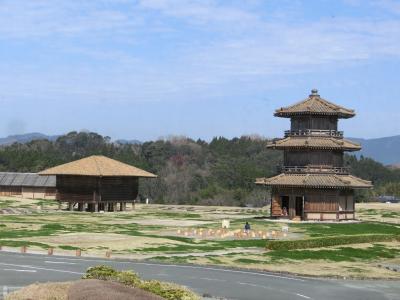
column 98, row 182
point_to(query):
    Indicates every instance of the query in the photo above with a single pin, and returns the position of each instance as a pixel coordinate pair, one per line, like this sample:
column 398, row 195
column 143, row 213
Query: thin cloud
column 158, row 50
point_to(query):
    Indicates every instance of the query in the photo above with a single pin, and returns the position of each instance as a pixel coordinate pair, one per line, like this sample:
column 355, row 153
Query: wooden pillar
column 92, row 207
column 81, row 206
column 70, row 206
column 121, row 206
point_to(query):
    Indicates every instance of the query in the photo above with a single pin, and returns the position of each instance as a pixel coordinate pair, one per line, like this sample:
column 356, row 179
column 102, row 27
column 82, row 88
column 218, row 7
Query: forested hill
column 196, row 172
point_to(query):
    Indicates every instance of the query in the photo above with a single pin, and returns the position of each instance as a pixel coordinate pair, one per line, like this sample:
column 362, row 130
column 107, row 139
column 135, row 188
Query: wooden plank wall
column 314, row 122
column 119, row 188
column 321, row 200
column 10, row 190
column 96, row 189
column 76, row 188
column 315, row 157
column 276, row 209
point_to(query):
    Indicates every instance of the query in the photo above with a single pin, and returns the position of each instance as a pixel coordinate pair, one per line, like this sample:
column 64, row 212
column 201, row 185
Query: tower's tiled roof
column 315, row 181
column 315, row 105
column 328, row 143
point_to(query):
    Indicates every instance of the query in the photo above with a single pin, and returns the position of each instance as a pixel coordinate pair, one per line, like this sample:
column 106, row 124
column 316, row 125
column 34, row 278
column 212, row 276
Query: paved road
column 18, row 270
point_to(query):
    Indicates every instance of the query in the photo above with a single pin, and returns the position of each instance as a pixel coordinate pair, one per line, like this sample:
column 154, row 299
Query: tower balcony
column 314, row 169
column 314, row 132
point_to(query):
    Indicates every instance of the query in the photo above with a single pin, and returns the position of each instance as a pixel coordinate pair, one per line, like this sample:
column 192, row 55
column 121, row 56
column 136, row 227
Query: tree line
column 219, row 172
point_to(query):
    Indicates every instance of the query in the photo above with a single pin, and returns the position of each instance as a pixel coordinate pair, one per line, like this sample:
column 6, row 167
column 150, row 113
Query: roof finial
column 314, row 92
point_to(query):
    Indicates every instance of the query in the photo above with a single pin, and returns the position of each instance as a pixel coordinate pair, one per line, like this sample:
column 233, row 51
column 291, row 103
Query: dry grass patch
column 378, row 205
column 107, row 240
column 92, row 289
column 42, row 291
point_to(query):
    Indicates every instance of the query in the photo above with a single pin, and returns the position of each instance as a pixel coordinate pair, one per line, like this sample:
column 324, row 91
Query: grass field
column 151, row 232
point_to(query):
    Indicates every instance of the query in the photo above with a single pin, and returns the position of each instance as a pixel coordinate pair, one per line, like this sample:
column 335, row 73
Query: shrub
column 330, row 241
column 101, row 272
column 166, row 290
column 128, row 278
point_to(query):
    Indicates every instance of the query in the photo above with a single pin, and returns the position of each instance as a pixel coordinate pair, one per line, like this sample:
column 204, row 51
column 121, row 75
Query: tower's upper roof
column 326, row 143
column 97, row 165
column 314, row 105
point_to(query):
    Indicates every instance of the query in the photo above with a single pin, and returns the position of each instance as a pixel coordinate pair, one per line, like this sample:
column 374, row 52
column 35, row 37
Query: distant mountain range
column 26, row 138
column 385, row 150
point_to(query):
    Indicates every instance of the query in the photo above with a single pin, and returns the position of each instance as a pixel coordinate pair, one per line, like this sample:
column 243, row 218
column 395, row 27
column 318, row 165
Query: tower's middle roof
column 314, row 105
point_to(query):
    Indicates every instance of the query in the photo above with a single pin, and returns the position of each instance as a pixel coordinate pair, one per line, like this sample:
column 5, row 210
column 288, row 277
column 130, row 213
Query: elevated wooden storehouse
column 314, row 184
column 27, row 185
column 98, row 182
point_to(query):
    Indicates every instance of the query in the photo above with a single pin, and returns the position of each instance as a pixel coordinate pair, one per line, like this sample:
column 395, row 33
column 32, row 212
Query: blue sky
column 145, row 69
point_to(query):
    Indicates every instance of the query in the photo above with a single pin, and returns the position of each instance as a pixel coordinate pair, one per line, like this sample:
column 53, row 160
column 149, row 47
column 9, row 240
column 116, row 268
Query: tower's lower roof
column 315, row 181
column 328, row 143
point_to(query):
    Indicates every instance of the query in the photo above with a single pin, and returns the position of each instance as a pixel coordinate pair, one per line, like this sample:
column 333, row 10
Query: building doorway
column 299, row 206
column 285, row 205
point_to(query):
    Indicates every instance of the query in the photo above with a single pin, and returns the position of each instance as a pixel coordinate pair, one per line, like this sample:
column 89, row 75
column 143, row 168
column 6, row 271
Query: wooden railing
column 314, row 169
column 314, row 132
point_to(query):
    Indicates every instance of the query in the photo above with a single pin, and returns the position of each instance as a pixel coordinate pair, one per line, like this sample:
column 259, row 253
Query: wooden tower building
column 97, row 183
column 314, row 184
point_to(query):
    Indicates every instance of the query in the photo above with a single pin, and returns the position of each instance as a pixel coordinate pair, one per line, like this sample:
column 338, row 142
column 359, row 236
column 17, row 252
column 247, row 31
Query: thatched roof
column 97, row 165
column 314, row 105
column 26, row 180
column 328, row 143
column 315, row 181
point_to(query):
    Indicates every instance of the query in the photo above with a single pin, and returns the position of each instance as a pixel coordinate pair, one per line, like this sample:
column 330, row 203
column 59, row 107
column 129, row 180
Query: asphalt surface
column 17, row 270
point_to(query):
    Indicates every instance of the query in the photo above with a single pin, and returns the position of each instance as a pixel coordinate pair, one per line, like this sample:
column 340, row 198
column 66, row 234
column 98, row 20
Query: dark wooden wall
column 76, row 188
column 314, row 157
column 96, row 189
column 314, row 122
column 119, row 188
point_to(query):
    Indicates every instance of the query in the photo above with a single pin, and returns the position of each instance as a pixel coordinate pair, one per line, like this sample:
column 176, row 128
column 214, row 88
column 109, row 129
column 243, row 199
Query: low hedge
column 330, row 241
column 166, row 290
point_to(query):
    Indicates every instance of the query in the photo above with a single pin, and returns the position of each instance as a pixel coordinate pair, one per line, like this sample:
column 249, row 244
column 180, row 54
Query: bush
column 330, row 241
column 166, row 290
column 101, row 272
column 128, row 278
